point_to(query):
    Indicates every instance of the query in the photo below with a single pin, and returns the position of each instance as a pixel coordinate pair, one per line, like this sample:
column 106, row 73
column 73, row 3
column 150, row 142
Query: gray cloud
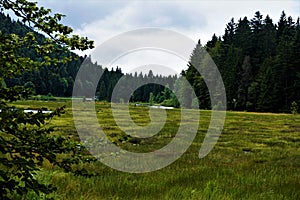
column 80, row 12
column 101, row 20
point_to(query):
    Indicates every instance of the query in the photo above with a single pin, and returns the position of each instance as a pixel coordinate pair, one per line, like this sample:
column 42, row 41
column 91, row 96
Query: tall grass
column 256, row 157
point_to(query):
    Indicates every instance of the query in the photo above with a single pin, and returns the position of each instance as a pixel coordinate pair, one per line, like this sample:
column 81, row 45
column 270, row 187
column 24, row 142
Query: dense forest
column 259, row 62
column 258, row 59
column 109, row 79
column 58, row 80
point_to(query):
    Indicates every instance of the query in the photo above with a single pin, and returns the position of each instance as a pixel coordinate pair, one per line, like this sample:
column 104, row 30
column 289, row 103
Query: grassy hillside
column 256, row 157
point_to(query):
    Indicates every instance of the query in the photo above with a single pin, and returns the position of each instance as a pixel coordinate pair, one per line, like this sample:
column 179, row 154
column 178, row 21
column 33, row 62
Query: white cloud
column 182, row 16
column 195, row 19
column 145, row 47
column 101, row 20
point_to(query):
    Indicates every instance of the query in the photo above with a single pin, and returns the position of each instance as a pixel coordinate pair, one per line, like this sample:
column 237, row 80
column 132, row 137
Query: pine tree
column 243, row 36
column 229, row 32
column 268, row 42
column 195, row 78
column 245, row 81
column 268, row 86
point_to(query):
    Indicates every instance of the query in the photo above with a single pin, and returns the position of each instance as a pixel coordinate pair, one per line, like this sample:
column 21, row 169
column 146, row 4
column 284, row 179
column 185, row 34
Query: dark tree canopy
column 259, row 64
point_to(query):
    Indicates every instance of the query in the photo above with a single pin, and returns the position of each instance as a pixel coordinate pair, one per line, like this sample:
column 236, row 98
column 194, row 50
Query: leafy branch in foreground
column 26, row 140
column 40, row 19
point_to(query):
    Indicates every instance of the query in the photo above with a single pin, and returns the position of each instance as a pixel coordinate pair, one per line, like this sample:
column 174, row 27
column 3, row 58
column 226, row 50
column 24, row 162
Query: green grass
column 256, row 157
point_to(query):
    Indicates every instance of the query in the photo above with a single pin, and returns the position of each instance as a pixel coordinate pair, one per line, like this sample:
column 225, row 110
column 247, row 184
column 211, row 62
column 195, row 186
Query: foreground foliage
column 25, row 140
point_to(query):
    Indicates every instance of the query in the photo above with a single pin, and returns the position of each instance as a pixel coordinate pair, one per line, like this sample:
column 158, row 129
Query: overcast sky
column 100, row 20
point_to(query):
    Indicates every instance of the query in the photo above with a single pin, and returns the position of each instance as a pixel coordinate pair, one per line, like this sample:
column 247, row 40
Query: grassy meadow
column 256, row 157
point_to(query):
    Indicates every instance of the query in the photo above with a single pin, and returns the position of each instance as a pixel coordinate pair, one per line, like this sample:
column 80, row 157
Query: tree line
column 259, row 62
column 257, row 58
